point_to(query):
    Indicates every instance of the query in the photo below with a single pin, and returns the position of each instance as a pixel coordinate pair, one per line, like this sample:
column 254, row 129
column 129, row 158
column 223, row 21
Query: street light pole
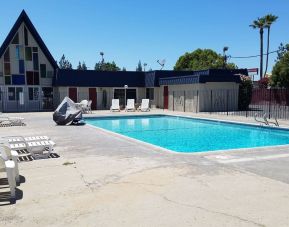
column 225, row 56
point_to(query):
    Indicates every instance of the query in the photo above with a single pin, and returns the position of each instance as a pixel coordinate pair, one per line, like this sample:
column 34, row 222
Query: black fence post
column 173, row 101
column 184, row 101
column 270, row 93
column 227, row 102
column 211, row 101
column 197, row 102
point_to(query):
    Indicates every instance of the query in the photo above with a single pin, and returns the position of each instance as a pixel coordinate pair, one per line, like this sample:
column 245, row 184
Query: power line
column 254, row 56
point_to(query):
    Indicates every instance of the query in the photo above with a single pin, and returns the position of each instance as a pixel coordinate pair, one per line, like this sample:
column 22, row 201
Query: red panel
column 92, row 97
column 166, row 97
column 72, row 93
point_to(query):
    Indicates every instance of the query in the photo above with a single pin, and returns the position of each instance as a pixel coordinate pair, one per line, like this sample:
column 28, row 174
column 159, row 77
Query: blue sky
column 132, row 30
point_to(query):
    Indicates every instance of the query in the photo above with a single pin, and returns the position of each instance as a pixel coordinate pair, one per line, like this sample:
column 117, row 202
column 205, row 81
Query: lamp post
column 225, row 56
column 102, row 60
column 125, row 87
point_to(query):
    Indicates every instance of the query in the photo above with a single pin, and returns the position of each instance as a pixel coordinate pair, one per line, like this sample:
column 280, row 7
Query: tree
column 281, row 51
column 269, row 20
column 260, row 24
column 106, row 66
column 64, row 64
column 81, row 66
column 280, row 73
column 201, row 59
column 245, row 92
column 139, row 67
column 123, row 69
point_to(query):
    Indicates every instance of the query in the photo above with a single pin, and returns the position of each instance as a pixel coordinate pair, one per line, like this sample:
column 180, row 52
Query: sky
column 131, row 30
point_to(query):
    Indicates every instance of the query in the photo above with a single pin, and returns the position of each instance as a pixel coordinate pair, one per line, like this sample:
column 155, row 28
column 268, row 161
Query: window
column 7, row 70
column 43, row 70
column 120, row 94
column 33, row 93
column 32, row 78
column 11, row 94
column 19, row 52
column 28, row 54
column 16, row 39
column 18, row 80
column 150, row 93
column 7, row 80
column 35, row 61
column 7, row 55
column 21, row 67
column 25, row 36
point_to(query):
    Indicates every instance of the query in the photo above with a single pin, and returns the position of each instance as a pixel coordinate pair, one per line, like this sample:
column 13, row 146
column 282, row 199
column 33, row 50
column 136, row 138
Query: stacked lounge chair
column 11, row 121
column 37, row 146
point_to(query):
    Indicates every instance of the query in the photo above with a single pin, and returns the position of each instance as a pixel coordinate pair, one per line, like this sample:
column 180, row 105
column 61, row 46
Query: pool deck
column 114, row 181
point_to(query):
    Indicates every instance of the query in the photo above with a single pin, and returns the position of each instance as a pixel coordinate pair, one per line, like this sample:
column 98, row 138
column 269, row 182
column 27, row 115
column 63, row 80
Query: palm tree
column 269, row 20
column 260, row 24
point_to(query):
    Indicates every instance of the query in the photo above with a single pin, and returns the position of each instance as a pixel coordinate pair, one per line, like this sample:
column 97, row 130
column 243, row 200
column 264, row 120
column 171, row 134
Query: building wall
column 104, row 95
column 27, row 71
column 217, row 96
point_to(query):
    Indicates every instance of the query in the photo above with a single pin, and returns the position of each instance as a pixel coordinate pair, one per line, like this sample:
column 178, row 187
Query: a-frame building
column 26, row 69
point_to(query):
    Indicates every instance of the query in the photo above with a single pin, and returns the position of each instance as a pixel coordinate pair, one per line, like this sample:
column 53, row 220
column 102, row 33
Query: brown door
column 166, row 97
column 72, row 93
column 92, row 97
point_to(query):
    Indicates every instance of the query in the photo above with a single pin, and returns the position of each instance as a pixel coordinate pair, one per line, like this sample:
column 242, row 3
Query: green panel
column 28, row 54
column 7, row 79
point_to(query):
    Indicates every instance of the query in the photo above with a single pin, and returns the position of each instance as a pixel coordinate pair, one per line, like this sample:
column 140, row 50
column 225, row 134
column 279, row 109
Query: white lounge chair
column 7, row 154
column 9, row 167
column 17, row 139
column 37, row 148
column 130, row 105
column 115, row 105
column 11, row 121
column 144, row 105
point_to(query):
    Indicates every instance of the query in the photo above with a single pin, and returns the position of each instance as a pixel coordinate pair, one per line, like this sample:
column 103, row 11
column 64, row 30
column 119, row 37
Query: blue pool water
column 191, row 135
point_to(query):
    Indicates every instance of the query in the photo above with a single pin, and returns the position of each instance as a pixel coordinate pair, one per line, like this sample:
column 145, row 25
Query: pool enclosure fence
column 273, row 102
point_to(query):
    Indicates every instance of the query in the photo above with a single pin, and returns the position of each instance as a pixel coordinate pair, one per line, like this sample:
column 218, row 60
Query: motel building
column 30, row 80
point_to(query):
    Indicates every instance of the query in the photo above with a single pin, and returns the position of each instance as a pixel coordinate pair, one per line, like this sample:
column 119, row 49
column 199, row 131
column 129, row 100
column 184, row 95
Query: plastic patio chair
column 130, row 105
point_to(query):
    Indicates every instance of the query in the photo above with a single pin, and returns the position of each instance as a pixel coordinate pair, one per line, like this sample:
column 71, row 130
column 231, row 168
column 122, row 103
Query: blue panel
column 18, row 80
column 21, row 66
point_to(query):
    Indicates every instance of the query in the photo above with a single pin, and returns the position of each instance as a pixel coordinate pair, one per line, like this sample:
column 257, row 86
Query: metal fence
column 21, row 100
column 273, row 102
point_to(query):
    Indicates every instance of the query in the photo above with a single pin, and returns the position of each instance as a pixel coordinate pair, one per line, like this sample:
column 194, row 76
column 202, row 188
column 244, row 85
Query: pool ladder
column 265, row 120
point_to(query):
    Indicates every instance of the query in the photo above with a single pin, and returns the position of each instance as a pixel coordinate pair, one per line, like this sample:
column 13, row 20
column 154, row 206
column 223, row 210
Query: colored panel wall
column 21, row 66
column 35, row 61
column 18, row 79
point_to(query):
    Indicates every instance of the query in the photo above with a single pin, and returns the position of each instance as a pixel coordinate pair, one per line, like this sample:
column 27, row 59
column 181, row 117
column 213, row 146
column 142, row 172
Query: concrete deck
column 112, row 181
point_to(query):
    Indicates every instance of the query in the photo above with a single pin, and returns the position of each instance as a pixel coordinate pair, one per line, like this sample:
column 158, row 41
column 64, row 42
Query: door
column 72, row 93
column 166, row 97
column 92, row 97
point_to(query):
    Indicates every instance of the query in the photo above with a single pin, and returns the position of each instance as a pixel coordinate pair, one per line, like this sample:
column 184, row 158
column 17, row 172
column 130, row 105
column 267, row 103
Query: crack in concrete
column 207, row 210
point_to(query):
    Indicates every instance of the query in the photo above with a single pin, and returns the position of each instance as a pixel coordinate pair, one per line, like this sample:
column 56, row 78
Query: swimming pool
column 183, row 134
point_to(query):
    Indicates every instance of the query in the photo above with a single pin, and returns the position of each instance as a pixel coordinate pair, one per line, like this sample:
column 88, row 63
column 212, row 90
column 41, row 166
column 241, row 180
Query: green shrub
column 245, row 92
